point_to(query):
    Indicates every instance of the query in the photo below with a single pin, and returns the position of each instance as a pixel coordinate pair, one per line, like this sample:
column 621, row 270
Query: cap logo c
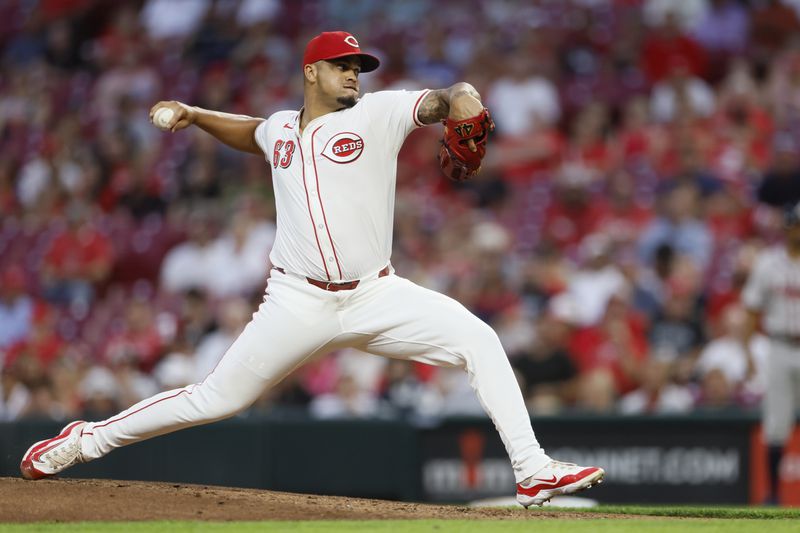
column 351, row 41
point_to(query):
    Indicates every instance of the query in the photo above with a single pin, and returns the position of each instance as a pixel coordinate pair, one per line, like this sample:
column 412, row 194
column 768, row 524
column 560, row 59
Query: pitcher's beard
column 347, row 101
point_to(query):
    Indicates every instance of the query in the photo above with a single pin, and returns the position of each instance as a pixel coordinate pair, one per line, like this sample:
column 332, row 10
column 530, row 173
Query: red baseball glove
column 457, row 160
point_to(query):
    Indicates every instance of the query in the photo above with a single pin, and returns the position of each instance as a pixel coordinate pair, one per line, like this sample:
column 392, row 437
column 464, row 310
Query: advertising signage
column 646, row 460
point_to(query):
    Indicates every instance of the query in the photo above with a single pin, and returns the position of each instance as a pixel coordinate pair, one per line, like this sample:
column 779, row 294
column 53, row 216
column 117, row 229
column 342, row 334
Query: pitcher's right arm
column 237, row 131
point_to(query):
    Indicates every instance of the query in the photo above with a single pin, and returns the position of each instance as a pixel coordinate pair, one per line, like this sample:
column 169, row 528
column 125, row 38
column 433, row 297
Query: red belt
column 334, row 286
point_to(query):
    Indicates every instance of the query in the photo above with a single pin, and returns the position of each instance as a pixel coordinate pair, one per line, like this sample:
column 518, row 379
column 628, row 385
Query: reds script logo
column 344, row 148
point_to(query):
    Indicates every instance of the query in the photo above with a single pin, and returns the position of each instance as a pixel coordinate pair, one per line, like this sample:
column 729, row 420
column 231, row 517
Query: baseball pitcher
column 332, row 285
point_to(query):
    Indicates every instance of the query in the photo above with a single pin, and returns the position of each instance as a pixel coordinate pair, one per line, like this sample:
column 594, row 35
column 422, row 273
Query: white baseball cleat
column 50, row 456
column 557, row 478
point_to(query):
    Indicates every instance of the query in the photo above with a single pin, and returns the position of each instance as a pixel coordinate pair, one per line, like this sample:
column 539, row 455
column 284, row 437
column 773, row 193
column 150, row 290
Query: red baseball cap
column 333, row 44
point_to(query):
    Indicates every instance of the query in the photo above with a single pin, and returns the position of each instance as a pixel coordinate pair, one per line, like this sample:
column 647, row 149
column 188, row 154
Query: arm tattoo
column 434, row 106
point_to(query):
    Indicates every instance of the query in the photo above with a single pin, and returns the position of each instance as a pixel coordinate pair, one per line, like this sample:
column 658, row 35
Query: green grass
column 420, row 526
column 658, row 519
column 762, row 513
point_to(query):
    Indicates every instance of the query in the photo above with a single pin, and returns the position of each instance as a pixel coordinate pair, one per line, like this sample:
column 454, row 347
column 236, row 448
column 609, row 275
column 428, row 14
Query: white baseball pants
column 387, row 316
column 782, row 396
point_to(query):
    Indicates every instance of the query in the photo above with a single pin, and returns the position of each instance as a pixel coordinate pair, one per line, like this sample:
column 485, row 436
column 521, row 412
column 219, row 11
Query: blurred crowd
column 643, row 153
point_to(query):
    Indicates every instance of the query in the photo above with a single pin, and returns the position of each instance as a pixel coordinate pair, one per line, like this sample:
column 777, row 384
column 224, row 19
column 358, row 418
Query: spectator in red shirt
column 618, row 344
column 77, row 261
column 624, row 218
column 638, row 137
column 773, row 24
column 740, row 146
column 588, row 144
column 667, row 43
column 573, row 212
column 139, row 338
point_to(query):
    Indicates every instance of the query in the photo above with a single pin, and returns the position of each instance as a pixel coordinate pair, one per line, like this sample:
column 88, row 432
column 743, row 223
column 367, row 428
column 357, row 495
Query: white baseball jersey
column 774, row 289
column 335, row 184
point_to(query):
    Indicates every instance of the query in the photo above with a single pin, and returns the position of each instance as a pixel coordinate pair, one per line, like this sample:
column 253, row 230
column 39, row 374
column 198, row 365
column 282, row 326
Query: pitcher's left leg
column 402, row 320
column 405, row 321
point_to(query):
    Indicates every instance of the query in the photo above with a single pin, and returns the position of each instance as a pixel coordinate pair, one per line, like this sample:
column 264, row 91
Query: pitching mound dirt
column 69, row 500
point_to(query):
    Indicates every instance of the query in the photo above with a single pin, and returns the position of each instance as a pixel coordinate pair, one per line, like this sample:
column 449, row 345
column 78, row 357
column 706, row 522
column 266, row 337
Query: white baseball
column 162, row 116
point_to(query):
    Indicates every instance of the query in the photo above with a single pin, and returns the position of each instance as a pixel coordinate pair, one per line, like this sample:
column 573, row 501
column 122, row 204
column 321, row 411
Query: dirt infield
column 68, row 500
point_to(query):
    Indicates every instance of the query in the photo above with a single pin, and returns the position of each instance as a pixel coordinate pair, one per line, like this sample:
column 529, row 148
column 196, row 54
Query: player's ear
column 310, row 72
